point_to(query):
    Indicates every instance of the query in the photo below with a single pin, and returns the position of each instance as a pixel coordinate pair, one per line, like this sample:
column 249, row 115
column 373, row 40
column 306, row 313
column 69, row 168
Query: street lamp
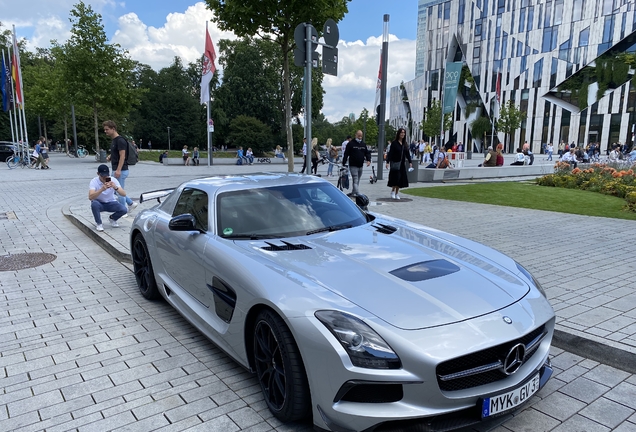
column 168, row 137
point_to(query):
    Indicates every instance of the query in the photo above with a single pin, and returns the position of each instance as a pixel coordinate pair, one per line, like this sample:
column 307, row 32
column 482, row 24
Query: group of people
column 40, row 155
column 244, row 158
column 187, row 159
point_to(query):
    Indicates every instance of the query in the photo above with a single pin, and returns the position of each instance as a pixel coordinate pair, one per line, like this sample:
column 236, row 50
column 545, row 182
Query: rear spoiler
column 158, row 195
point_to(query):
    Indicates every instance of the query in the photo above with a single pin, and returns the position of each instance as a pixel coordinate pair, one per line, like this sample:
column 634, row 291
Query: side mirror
column 184, row 222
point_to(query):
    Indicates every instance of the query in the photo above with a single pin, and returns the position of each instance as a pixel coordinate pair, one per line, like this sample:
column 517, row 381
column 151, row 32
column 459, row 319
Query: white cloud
column 182, row 35
column 355, row 86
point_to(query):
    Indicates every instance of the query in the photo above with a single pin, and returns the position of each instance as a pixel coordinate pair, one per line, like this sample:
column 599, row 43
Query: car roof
column 251, row 181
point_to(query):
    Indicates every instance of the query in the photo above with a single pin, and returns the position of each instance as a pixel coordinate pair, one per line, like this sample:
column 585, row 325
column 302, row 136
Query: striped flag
column 16, row 73
column 208, row 67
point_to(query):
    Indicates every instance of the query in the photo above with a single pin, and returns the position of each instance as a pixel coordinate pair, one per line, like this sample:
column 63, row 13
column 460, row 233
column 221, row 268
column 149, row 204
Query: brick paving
column 81, row 350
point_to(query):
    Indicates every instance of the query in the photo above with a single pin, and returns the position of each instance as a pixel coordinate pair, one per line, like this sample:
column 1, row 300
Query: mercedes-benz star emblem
column 507, row 320
column 514, row 359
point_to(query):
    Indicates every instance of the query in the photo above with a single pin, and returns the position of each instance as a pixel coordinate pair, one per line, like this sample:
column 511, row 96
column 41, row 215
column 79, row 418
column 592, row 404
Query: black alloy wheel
column 143, row 269
column 279, row 368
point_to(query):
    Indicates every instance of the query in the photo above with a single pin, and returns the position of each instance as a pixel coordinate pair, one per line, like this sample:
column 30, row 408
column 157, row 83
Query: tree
column 98, row 75
column 250, row 132
column 371, row 128
column 433, row 121
column 480, row 127
column 509, row 120
column 276, row 20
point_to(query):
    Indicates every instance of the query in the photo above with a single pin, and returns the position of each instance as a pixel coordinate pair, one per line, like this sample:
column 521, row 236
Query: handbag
column 395, row 166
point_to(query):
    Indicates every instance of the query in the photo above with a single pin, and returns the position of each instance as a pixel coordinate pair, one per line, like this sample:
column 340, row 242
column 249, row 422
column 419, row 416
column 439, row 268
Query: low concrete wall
column 227, row 161
column 470, row 173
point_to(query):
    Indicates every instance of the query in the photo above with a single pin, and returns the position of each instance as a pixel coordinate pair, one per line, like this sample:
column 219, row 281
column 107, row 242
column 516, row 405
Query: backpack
column 131, row 154
column 444, row 163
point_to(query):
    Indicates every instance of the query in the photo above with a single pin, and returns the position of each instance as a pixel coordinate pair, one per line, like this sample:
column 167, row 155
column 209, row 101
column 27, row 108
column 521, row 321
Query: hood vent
column 385, row 229
column 284, row 247
column 425, row 270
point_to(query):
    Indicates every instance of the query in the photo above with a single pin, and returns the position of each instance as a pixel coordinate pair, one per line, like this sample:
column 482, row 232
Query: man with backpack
column 120, row 158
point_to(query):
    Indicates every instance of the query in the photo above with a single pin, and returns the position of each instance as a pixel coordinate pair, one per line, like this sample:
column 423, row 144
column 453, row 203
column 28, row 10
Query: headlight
column 365, row 347
column 531, row 278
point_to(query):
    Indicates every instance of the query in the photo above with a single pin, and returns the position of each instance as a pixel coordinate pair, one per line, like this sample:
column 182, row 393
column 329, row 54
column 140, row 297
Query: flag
column 208, row 67
column 15, row 71
column 498, row 88
column 378, row 85
column 7, row 85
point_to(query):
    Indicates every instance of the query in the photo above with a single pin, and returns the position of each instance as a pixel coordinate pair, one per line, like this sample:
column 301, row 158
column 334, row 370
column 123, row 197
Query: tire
column 142, row 266
column 82, row 153
column 12, row 161
column 279, row 368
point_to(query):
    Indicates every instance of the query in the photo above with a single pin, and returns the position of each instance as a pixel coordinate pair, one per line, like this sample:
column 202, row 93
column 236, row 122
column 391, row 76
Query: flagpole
column 19, row 69
column 4, row 71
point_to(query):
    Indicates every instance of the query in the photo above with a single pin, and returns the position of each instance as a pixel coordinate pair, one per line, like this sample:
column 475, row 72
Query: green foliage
column 433, row 119
column 250, row 132
column 509, row 118
column 480, row 127
column 276, row 20
column 96, row 74
column 531, row 196
column 606, row 179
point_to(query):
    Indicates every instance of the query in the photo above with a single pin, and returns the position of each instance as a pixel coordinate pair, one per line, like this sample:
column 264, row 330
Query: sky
column 154, row 31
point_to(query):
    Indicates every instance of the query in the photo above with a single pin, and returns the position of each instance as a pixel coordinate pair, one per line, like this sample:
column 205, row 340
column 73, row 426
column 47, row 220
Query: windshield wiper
column 329, row 228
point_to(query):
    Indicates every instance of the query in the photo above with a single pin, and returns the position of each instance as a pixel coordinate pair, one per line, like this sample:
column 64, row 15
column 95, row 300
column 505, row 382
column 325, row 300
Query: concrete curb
column 96, row 237
column 600, row 352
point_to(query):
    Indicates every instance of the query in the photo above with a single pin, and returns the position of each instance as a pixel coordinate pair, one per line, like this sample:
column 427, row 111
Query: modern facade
column 557, row 60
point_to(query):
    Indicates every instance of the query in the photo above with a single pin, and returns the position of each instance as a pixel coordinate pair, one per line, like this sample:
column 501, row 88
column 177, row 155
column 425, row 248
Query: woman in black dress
column 398, row 154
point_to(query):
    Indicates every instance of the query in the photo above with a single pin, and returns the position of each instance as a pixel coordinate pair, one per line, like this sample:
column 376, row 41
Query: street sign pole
column 384, row 67
column 308, row 65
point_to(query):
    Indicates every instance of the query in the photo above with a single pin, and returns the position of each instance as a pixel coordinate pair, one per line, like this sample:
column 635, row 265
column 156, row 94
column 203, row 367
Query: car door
column 182, row 251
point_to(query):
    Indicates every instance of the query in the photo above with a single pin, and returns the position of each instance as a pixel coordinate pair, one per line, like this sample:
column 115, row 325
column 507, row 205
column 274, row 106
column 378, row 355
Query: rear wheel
column 279, row 368
column 12, row 161
column 143, row 269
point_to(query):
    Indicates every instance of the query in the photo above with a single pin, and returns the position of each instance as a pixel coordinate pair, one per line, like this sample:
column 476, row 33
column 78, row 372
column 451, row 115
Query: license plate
column 504, row 402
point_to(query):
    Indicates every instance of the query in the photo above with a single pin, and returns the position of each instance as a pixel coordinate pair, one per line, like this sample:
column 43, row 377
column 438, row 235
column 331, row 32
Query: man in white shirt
column 570, row 157
column 304, row 155
column 343, row 146
column 101, row 192
column 614, row 155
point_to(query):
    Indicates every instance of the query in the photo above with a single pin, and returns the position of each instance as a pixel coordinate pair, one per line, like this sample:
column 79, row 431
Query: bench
column 471, row 173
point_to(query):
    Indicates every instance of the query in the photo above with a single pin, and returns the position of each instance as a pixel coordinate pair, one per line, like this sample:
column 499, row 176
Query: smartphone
column 107, row 179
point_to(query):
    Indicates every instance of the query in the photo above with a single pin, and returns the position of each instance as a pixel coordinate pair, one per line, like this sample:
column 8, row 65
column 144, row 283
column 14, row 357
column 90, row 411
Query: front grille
column 483, row 367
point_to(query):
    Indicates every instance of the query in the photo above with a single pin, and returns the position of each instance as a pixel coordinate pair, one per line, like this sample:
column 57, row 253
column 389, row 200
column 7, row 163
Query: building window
column 608, row 7
column 447, row 8
column 498, row 26
column 476, row 52
column 501, row 6
column 522, row 20
column 536, row 76
column 564, row 50
column 584, row 37
column 558, row 12
column 578, row 8
column 478, row 29
column 547, row 39
column 548, row 14
column 553, row 72
column 608, row 29
column 461, row 12
column 435, row 80
column 504, row 46
column 519, row 49
column 530, row 17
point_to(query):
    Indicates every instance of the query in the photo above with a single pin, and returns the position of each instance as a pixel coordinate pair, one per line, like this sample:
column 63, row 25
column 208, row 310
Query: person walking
column 549, row 150
column 332, row 156
column 356, row 153
column 117, row 158
column 302, row 171
column 396, row 159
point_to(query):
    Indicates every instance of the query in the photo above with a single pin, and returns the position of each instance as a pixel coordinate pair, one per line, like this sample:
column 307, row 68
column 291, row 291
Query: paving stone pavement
column 81, row 350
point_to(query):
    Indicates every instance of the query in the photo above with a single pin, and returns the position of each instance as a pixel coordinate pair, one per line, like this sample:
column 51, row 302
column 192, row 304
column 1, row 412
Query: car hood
column 411, row 279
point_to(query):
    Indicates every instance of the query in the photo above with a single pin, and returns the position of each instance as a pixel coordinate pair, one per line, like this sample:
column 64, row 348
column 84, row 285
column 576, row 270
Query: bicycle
column 21, row 161
column 81, row 153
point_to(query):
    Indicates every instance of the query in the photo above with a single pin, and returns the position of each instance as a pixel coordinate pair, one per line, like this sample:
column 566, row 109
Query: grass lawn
column 529, row 195
column 153, row 155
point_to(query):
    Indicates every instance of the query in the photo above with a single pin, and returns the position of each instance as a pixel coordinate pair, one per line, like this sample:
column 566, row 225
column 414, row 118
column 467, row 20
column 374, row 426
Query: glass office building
column 559, row 61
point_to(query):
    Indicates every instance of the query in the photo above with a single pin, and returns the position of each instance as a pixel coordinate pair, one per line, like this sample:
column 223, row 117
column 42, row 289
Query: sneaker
column 133, row 206
column 397, row 197
column 113, row 223
column 392, row 195
column 99, row 227
column 126, row 215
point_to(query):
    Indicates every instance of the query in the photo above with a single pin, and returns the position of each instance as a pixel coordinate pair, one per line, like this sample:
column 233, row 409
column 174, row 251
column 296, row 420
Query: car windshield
column 285, row 211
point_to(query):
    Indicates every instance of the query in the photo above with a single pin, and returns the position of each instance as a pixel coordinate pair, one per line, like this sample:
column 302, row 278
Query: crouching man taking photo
column 101, row 192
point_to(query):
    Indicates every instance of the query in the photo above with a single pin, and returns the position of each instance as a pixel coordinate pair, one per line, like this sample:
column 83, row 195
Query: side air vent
column 284, row 247
column 385, row 229
column 224, row 299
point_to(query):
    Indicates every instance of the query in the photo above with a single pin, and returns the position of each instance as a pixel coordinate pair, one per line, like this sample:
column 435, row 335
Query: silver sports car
column 364, row 322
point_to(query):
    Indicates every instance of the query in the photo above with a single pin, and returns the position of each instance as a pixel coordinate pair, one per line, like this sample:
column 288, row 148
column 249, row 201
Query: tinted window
column 285, row 211
column 194, row 202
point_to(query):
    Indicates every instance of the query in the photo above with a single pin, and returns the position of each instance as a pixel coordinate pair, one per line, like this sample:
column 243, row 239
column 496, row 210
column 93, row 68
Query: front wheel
column 143, row 269
column 82, row 153
column 279, row 368
column 12, row 161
